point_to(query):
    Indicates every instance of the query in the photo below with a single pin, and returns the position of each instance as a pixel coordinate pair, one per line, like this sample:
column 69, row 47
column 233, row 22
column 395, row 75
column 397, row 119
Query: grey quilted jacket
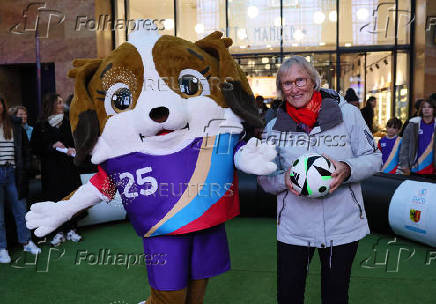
column 341, row 133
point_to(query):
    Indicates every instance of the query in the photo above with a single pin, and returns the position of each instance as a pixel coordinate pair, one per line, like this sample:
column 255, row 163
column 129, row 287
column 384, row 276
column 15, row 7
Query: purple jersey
column 390, row 148
column 424, row 157
column 189, row 190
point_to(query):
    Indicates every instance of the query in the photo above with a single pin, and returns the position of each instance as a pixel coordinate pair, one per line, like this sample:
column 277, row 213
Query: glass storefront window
column 402, row 87
column 198, row 19
column 366, row 22
column 158, row 13
column 262, row 71
column 404, row 21
column 309, row 29
column 254, row 26
column 120, row 34
column 353, row 74
column 379, row 85
column 309, row 24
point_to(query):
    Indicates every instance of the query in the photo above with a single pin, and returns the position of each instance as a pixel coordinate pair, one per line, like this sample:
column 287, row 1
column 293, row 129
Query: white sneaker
column 58, row 239
column 4, row 256
column 32, row 248
column 73, row 236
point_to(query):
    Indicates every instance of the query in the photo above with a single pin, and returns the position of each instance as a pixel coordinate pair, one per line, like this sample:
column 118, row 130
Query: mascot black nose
column 159, row 114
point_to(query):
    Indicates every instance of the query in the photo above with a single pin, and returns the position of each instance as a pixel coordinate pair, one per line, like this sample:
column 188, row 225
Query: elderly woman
column 311, row 119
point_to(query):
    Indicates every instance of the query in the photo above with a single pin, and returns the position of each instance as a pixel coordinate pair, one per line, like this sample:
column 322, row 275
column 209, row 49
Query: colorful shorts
column 173, row 260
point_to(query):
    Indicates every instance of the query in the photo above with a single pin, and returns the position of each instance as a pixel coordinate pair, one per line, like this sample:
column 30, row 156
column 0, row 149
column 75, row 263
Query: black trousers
column 292, row 266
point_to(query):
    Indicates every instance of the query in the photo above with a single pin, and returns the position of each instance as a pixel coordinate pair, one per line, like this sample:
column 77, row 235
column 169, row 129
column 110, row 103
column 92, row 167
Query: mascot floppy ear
column 234, row 83
column 83, row 116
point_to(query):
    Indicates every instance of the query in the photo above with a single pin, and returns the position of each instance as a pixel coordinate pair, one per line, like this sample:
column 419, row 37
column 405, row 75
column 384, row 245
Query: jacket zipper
column 283, row 207
column 356, row 202
column 323, row 219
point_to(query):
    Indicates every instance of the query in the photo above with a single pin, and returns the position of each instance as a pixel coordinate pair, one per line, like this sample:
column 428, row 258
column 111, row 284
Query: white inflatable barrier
column 412, row 211
column 103, row 212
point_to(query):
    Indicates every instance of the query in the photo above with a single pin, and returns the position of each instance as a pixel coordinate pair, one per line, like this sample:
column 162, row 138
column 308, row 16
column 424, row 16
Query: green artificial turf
column 386, row 270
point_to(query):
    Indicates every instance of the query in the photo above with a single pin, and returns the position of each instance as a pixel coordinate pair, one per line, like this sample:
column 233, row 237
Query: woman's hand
column 58, row 144
column 71, row 152
column 342, row 172
column 288, row 182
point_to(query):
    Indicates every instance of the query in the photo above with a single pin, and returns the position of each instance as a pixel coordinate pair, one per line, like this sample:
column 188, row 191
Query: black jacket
column 368, row 115
column 59, row 176
column 23, row 158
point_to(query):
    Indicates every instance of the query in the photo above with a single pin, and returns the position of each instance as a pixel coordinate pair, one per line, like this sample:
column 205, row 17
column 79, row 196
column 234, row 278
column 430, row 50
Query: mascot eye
column 122, row 99
column 190, row 85
column 118, row 99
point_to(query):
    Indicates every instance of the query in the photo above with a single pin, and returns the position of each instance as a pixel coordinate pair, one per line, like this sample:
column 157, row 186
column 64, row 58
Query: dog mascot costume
column 163, row 118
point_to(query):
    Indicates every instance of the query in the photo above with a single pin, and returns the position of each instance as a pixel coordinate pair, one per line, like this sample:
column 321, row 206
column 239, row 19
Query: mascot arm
column 256, row 158
column 45, row 217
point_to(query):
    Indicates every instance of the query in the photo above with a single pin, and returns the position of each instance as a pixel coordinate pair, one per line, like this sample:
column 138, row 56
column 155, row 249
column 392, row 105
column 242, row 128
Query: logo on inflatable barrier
column 415, row 215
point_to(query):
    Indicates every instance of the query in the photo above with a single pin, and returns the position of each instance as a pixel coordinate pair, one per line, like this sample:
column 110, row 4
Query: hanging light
column 362, row 14
column 333, row 17
column 252, row 11
column 318, row 17
column 199, row 28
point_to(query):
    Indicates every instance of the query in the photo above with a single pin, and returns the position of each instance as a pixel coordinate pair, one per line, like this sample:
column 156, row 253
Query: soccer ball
column 311, row 175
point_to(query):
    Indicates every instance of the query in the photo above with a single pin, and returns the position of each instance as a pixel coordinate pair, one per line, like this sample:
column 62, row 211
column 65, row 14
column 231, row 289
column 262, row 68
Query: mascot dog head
column 155, row 94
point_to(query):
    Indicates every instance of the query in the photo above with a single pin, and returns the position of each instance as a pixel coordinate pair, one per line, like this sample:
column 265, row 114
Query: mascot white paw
column 256, row 158
column 46, row 217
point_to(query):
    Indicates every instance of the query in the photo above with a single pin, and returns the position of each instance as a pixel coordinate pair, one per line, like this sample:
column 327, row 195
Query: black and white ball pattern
column 311, row 175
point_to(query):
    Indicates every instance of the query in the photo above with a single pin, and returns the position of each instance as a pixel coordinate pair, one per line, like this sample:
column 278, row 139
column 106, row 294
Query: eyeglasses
column 299, row 82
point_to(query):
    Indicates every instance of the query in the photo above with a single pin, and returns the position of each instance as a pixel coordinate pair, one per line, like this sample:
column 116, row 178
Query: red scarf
column 308, row 114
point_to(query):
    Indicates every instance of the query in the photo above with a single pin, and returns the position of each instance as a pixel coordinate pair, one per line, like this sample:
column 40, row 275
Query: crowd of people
column 51, row 141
